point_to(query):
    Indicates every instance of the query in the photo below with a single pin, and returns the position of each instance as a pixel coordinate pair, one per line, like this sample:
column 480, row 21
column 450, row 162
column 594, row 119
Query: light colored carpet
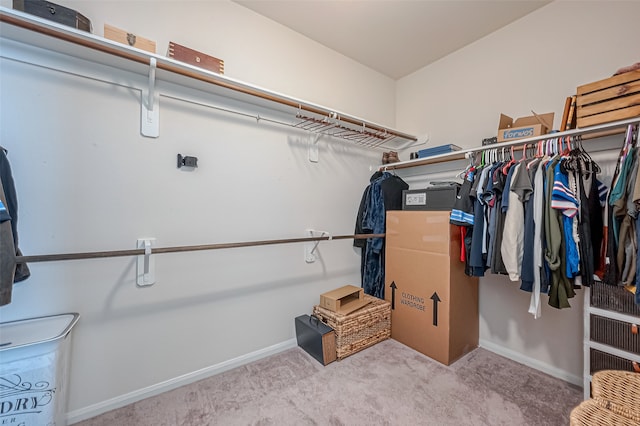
column 387, row 384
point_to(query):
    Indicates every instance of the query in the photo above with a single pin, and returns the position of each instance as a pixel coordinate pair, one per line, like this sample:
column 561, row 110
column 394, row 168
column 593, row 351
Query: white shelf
column 34, row 31
column 590, row 344
column 585, row 133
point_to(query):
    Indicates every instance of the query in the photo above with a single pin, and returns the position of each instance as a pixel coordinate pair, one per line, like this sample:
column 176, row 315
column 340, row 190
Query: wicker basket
column 618, row 391
column 613, row 298
column 590, row 413
column 614, row 402
column 359, row 329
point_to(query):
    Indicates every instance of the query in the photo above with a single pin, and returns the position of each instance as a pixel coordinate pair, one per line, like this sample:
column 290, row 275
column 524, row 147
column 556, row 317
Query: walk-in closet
column 170, row 222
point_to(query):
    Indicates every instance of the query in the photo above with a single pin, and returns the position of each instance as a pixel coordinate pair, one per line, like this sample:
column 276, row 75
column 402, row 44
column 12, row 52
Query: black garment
column 9, row 192
column 10, row 271
column 596, row 221
column 392, row 188
column 7, row 255
column 585, row 247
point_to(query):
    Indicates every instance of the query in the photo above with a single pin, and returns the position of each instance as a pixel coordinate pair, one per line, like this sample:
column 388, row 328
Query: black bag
column 316, row 338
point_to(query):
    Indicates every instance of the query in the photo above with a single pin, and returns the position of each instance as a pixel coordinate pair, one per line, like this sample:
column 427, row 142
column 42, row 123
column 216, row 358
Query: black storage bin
column 613, row 298
column 605, row 361
column 434, row 198
column 619, row 334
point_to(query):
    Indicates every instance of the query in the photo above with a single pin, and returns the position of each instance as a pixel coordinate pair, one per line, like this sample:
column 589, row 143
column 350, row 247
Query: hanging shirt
column 560, row 289
column 462, row 211
column 535, row 307
column 528, row 270
column 513, row 234
column 563, row 198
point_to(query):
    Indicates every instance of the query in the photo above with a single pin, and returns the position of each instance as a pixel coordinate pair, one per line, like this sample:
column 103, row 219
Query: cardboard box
column 434, row 305
column 344, row 299
column 524, row 127
column 316, row 338
column 193, row 57
column 130, row 39
column 612, row 99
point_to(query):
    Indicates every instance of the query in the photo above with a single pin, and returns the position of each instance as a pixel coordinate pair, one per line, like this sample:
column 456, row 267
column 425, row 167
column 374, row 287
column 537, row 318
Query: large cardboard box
column 434, row 305
column 524, row 127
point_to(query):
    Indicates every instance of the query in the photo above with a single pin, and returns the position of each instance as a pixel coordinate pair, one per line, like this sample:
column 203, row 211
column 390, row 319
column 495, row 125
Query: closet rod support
column 146, row 275
column 149, row 112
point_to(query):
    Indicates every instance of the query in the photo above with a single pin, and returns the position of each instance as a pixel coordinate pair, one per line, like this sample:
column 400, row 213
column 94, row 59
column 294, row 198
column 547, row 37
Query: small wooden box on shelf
column 193, row 57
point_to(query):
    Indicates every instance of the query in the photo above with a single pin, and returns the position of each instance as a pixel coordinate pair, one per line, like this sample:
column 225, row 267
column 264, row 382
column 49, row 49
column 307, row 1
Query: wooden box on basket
column 359, row 329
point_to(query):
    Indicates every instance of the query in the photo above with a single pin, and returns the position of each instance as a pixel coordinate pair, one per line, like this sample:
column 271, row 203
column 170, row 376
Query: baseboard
column 131, row 397
column 532, row 362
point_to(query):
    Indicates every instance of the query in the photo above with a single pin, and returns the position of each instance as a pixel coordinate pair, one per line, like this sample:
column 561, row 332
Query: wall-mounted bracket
column 311, row 247
column 313, row 147
column 150, row 110
column 146, row 268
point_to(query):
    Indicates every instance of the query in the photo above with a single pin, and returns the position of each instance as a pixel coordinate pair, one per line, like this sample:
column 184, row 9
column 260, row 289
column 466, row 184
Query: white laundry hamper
column 34, row 370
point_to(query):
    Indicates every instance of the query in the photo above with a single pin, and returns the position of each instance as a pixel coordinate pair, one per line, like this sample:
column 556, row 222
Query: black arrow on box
column 393, row 294
column 435, row 299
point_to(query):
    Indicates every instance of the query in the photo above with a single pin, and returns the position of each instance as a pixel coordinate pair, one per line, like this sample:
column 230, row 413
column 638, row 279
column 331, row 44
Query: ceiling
column 394, row 37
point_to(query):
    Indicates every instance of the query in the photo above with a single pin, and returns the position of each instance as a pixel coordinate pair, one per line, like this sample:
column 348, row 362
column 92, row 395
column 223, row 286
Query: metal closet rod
column 177, row 249
column 103, row 45
column 600, row 130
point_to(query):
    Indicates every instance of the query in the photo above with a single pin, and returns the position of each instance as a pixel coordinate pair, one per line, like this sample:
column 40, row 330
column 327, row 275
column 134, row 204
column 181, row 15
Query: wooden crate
column 193, row 57
column 359, row 329
column 611, row 99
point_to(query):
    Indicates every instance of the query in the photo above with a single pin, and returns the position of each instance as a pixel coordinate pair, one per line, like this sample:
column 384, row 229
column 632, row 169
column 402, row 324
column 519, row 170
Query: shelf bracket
column 150, row 109
column 313, row 147
column 146, row 274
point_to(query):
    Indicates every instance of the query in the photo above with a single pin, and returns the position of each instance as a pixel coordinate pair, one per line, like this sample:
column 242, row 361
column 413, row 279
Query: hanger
column 512, row 161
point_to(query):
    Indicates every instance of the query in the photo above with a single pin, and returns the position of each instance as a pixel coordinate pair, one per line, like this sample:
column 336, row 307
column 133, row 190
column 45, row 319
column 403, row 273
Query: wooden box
column 344, row 299
column 54, row 12
column 193, row 57
column 359, row 329
column 611, row 99
column 133, row 40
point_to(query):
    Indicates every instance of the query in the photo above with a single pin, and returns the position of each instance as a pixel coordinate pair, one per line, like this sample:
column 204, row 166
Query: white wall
column 87, row 181
column 532, row 64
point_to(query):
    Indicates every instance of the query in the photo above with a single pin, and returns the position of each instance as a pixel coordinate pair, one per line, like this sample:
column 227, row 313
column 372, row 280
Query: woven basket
column 618, row 391
column 613, row 298
column 359, row 329
column 590, row 413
